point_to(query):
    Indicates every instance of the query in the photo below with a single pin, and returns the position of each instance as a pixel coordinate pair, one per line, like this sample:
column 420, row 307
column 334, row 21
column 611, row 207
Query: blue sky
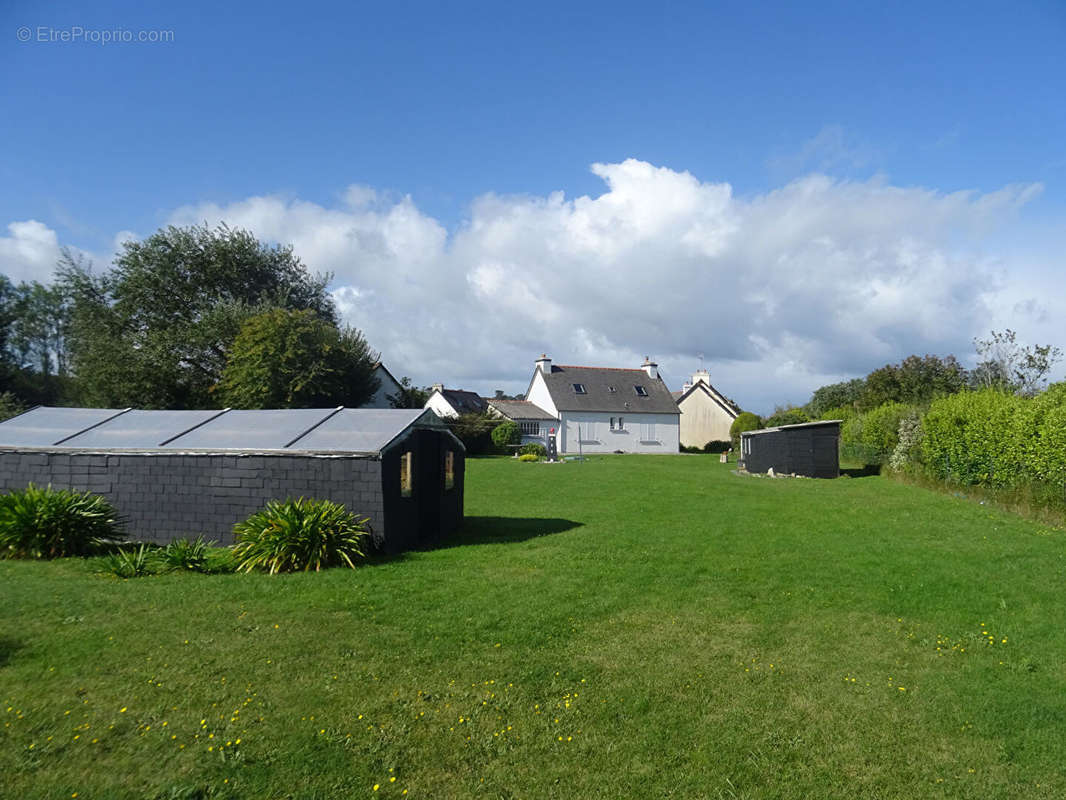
column 436, row 107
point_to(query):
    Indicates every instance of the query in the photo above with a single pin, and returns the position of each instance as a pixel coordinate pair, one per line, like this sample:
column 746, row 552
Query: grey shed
column 810, row 449
column 173, row 474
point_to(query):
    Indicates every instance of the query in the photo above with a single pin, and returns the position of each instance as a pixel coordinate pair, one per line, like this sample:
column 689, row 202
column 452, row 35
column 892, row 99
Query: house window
column 647, row 432
column 612, row 423
column 449, row 470
column 406, row 474
column 579, row 388
column 529, row 428
column 621, row 425
column 611, row 389
column 641, row 391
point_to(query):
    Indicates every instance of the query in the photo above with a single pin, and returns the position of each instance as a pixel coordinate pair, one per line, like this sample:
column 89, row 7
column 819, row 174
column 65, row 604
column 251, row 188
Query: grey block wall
column 172, row 496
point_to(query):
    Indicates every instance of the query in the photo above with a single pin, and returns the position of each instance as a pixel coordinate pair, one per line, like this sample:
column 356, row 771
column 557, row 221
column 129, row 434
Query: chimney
column 544, row 364
column 438, row 387
column 650, row 367
column 701, row 376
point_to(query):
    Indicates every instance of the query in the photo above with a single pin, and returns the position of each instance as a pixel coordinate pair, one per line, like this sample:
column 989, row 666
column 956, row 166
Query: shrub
column 1043, row 435
column 528, row 457
column 907, row 452
column 744, row 422
column 297, row 535
column 534, row 449
column 972, row 437
column 53, row 523
column 506, row 433
column 186, row 554
column 474, row 431
column 133, row 563
column 717, row 446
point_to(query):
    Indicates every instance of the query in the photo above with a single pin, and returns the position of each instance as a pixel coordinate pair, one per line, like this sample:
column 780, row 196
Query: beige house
column 706, row 413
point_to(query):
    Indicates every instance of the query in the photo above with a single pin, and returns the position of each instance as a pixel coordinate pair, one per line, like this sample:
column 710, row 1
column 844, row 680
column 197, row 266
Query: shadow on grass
column 867, row 471
column 483, row 530
column 8, row 648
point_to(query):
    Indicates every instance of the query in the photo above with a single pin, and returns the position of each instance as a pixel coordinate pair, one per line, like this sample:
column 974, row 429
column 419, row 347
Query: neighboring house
column 706, row 414
column 603, row 409
column 532, row 420
column 453, row 402
column 388, row 386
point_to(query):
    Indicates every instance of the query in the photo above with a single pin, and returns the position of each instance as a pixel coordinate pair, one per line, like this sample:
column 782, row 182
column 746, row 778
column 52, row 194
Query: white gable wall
column 703, row 420
column 440, row 405
column 539, row 395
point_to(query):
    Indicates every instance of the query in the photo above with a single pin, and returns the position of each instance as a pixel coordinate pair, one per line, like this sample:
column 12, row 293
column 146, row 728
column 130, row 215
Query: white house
column 603, row 409
column 706, row 414
column 453, row 402
column 388, row 385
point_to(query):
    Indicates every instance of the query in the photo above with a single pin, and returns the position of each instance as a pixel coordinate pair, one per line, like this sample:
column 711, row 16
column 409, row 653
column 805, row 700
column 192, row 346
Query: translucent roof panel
column 140, row 429
column 251, row 430
column 359, row 430
column 44, row 426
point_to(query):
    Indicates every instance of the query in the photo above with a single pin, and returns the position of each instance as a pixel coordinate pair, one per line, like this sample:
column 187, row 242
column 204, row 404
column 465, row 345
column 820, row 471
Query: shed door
column 431, row 484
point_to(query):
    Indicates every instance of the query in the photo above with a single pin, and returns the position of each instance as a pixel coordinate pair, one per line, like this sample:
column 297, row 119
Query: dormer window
column 579, row 388
column 611, row 389
column 641, row 391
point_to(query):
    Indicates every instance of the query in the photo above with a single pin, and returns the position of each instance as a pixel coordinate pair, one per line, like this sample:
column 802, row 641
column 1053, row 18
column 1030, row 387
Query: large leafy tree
column 297, row 359
column 1006, row 364
column 155, row 330
column 915, row 380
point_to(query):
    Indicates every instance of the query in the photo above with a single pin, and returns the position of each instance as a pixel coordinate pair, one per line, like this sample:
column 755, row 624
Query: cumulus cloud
column 783, row 291
column 30, row 252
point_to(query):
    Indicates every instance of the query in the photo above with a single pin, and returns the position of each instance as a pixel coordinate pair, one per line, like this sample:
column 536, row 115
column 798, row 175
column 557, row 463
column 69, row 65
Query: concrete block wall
column 172, row 496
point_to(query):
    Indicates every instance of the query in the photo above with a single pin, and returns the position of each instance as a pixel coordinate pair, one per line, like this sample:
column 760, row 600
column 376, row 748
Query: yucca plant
column 53, row 523
column 188, row 554
column 300, row 535
column 133, row 563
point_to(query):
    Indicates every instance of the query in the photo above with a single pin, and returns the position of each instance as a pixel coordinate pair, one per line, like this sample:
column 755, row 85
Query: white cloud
column 818, row 280
column 30, row 252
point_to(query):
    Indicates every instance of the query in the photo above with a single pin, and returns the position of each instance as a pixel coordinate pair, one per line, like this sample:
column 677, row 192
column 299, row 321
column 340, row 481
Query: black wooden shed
column 174, row 474
column 810, row 449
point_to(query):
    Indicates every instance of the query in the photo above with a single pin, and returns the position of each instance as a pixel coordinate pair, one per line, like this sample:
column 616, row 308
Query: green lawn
column 631, row 626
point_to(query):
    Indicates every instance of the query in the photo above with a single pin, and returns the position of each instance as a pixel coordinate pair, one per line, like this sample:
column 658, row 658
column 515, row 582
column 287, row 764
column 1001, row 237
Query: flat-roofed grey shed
column 175, row 474
column 811, row 449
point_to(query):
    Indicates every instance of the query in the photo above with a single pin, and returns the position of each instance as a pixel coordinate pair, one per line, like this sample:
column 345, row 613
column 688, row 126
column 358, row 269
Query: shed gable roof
column 349, row 430
column 608, row 390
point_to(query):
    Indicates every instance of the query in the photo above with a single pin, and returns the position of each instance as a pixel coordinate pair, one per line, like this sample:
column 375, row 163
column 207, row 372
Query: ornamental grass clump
column 190, row 554
column 54, row 523
column 300, row 535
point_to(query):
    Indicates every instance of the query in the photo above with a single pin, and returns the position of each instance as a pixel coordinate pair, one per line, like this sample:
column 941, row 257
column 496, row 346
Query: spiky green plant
column 300, row 535
column 188, row 554
column 133, row 563
column 53, row 523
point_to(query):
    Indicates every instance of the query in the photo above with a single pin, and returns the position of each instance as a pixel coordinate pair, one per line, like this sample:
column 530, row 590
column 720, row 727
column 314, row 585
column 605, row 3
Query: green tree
column 745, row 421
column 786, row 416
column 297, row 359
column 1005, row 364
column 154, row 331
column 409, row 396
column 836, row 395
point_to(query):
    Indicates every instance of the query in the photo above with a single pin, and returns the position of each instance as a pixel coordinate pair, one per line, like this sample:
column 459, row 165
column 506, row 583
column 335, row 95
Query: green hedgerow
column 300, row 535
column 53, row 523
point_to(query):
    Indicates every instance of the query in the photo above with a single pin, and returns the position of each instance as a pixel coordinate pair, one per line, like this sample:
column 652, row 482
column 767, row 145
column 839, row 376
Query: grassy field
column 625, row 627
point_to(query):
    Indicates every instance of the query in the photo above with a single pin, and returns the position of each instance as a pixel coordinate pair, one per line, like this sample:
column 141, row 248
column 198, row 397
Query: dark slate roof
column 599, row 382
column 821, row 423
column 464, row 402
column 519, row 409
column 728, row 405
column 348, row 430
